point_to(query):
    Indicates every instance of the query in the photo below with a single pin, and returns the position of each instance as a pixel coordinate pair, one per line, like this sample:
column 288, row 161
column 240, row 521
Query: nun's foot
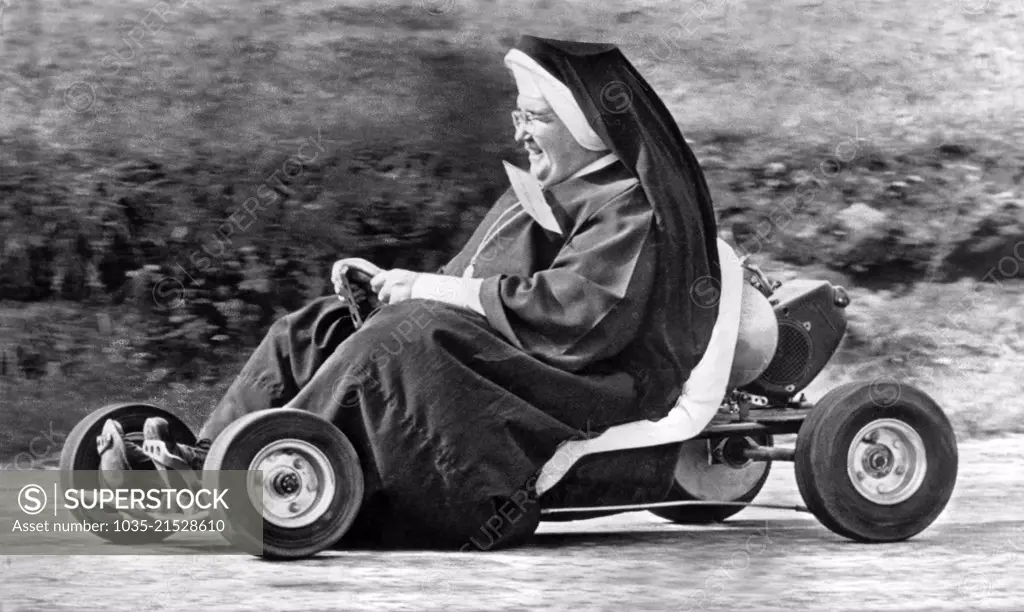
column 117, row 455
column 179, row 465
column 165, row 451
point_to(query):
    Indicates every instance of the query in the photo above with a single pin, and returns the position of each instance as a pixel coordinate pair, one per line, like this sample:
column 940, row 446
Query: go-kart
column 875, row 461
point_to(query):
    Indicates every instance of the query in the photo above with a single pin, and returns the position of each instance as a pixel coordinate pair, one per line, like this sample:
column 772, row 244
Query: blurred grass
column 411, row 100
column 962, row 343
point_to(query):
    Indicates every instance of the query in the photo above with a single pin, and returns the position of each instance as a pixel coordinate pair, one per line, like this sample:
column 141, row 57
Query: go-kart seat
column 698, row 402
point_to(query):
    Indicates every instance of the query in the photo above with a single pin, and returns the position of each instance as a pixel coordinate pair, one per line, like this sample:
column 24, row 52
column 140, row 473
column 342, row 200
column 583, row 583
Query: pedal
column 157, row 451
column 164, row 460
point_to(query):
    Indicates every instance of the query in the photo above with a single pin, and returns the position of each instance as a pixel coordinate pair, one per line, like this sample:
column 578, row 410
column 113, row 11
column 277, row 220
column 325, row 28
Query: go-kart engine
column 812, row 322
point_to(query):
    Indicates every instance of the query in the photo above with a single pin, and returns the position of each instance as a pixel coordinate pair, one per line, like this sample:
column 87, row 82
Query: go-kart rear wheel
column 80, row 461
column 876, row 462
column 310, row 490
column 696, row 480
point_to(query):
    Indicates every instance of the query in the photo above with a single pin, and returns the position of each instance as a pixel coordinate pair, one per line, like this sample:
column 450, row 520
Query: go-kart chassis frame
column 741, row 423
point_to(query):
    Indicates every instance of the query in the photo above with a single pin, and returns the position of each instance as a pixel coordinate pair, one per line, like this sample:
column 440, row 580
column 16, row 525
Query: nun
column 572, row 308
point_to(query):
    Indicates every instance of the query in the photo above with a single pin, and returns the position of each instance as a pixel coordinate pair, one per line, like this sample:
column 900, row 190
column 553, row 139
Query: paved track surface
column 972, row 558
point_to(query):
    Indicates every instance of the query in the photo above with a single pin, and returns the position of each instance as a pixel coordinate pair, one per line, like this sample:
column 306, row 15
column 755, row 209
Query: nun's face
column 554, row 153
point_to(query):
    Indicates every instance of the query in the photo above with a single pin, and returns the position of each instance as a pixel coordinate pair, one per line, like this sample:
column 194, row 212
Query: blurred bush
column 207, row 241
column 140, row 196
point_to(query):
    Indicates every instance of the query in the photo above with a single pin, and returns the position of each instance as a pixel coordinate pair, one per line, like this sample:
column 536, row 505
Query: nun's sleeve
column 589, row 305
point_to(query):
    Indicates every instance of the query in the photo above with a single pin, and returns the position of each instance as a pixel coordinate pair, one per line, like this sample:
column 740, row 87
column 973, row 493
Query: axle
column 740, row 451
column 769, row 453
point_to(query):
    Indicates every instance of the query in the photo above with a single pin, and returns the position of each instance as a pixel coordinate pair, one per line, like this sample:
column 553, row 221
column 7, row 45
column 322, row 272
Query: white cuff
column 463, row 292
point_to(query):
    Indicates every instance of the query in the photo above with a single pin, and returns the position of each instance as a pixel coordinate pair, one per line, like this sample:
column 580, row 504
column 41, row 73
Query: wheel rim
column 887, row 462
column 714, row 482
column 298, row 484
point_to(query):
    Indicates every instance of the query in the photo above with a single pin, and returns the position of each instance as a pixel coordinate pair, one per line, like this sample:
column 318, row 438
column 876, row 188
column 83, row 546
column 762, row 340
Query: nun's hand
column 394, row 286
column 342, row 266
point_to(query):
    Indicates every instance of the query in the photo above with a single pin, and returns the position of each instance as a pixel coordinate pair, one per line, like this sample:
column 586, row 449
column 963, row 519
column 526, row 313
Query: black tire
column 822, row 460
column 702, row 515
column 248, row 528
column 79, row 461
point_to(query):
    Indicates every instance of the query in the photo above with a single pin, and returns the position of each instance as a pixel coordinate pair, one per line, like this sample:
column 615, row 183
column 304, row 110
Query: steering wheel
column 359, row 309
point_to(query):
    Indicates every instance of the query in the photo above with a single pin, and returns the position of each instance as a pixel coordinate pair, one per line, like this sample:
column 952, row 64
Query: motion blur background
column 874, row 144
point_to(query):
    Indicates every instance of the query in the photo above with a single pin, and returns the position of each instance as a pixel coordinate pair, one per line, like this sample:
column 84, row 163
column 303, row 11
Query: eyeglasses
column 521, row 118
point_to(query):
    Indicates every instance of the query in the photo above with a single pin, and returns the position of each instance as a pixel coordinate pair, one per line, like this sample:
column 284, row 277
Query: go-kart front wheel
column 310, row 490
column 876, row 462
column 80, row 461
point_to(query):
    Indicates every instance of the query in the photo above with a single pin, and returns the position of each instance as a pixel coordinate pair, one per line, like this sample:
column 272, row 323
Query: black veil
column 635, row 124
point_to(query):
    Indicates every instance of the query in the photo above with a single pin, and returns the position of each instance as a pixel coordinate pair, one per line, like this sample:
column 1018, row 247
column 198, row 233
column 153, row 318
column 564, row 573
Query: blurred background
column 176, row 174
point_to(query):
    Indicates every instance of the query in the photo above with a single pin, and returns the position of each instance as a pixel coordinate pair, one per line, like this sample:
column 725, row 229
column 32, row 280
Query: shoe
column 179, row 465
column 117, row 455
